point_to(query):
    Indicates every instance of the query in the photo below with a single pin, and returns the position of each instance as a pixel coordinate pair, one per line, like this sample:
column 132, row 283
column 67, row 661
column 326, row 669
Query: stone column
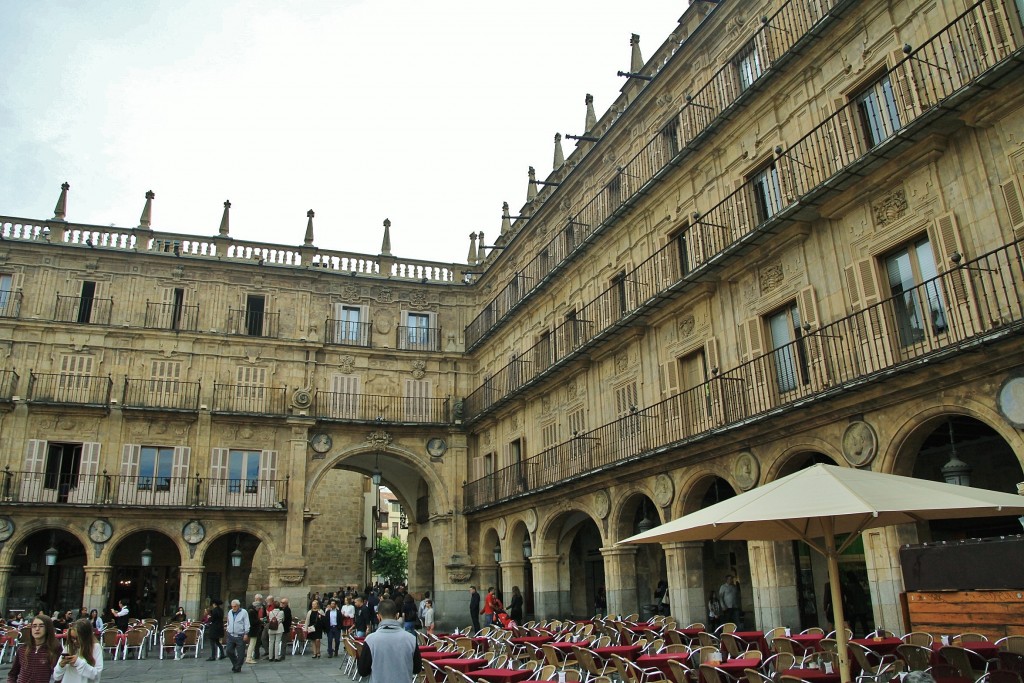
column 549, row 595
column 190, row 583
column 620, row 578
column 773, row 584
column 5, row 576
column 288, row 570
column 511, row 575
column 96, row 594
column 885, row 578
column 687, row 597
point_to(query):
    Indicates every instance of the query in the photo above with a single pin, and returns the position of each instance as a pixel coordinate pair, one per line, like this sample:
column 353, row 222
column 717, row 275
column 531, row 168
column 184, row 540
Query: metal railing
column 83, row 309
column 76, row 488
column 249, row 400
column 971, row 303
column 777, row 41
column 418, row 338
column 10, row 303
column 387, row 409
column 253, row 323
column 170, row 316
column 164, row 394
column 8, row 384
column 762, row 204
column 69, row 388
column 348, row 333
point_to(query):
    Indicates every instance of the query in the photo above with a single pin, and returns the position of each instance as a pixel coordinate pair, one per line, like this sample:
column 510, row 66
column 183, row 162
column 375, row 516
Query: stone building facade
column 793, row 238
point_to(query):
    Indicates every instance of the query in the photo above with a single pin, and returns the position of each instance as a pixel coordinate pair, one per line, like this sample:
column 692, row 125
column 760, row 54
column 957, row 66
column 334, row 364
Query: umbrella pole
column 838, row 617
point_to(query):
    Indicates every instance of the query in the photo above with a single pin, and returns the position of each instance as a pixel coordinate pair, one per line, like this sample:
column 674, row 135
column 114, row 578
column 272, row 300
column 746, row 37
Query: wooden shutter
column 670, row 377
column 217, row 485
column 956, row 281
column 755, row 369
column 785, row 167
column 992, row 31
column 741, row 217
column 903, row 89
column 671, row 399
column 88, row 473
column 179, row 474
column 870, row 324
column 817, row 344
column 846, row 136
column 1012, row 196
column 131, row 454
column 345, row 397
column 722, row 394
column 268, row 479
column 34, row 467
column 417, row 399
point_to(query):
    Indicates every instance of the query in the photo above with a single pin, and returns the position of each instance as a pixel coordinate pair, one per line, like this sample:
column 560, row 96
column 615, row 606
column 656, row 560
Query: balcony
column 243, row 399
column 418, row 338
column 781, row 37
column 823, row 163
column 161, row 394
column 969, row 305
column 53, row 488
column 253, row 323
column 53, row 388
column 381, row 409
column 8, row 384
column 10, row 303
column 348, row 333
column 84, row 310
column 175, row 317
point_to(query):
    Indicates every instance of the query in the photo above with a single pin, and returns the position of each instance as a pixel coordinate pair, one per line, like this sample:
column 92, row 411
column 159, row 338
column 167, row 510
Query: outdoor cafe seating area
column 143, row 637
column 661, row 651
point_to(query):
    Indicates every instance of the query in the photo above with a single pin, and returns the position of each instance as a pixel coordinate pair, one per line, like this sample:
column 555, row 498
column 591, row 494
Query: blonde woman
column 82, row 659
column 314, row 623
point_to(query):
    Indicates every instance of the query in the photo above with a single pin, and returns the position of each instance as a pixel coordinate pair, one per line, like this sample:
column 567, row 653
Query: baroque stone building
column 793, row 238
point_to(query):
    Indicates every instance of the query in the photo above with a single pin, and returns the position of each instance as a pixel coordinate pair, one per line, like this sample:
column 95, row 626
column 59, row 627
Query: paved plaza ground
column 154, row 670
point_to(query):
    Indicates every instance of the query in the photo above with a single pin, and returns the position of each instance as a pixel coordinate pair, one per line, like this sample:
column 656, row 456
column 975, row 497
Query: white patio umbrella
column 817, row 503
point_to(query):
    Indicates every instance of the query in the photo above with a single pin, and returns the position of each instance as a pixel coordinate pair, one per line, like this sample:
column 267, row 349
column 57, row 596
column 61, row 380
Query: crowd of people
column 41, row 657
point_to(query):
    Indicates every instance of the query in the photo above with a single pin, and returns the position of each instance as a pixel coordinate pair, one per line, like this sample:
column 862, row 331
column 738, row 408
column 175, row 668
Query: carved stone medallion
column 419, row 369
column 859, row 444
column 664, row 489
column 502, row 527
column 531, row 520
column 746, row 470
column 602, row 504
column 891, row 207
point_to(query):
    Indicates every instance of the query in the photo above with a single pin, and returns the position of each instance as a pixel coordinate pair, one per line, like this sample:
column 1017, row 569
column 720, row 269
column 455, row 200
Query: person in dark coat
column 474, row 608
column 515, row 605
column 214, row 630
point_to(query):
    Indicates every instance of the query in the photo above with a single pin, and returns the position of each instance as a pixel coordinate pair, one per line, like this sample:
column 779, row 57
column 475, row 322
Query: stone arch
column 153, row 590
column 41, row 584
column 127, row 528
column 220, row 579
column 625, row 508
column 696, row 487
column 644, row 585
column 798, row 455
column 568, row 561
column 228, row 528
column 27, row 528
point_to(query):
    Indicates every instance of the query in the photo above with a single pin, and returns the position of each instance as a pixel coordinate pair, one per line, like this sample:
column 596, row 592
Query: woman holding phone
column 35, row 658
column 82, row 659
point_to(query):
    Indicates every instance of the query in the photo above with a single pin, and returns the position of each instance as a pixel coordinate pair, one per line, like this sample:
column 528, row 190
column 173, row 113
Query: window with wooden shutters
column 164, row 381
column 677, row 258
column 628, row 413
column 754, row 371
column 869, row 324
column 344, row 402
column 549, row 435
column 955, row 283
column 1014, row 200
column 918, row 305
column 418, row 331
column 767, row 192
column 416, row 400
column 517, row 461
column 878, row 112
column 268, row 482
column 217, row 486
column 75, row 379
column 243, row 472
column 580, row 445
column 251, row 394
column 176, row 310
column 789, row 358
column 10, row 294
column 350, row 325
column 33, row 469
column 818, row 343
column 694, row 400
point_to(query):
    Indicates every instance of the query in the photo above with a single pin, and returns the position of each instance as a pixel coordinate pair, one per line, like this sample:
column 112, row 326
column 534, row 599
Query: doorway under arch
column 149, row 590
column 36, row 584
column 224, row 579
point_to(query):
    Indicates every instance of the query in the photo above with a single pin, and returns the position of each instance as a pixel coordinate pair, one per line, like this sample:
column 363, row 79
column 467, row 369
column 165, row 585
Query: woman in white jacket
column 275, row 615
column 82, row 659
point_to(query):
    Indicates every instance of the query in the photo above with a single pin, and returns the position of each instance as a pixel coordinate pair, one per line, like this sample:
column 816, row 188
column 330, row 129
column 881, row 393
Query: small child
column 179, row 642
column 428, row 616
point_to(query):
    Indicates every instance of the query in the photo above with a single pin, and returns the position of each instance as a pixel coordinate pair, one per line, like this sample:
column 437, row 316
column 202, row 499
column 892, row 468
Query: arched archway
column 520, row 571
column 48, row 573
column 569, row 570
column 637, row 514
column 421, row 576
column 146, row 574
column 227, row 566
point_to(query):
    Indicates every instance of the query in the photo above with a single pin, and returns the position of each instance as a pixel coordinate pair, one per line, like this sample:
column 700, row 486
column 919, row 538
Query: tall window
column 748, row 64
column 243, row 471
column 681, row 251
column 348, row 323
column 918, row 304
column 418, row 329
column 876, row 110
column 767, row 192
column 155, row 463
column 255, row 312
column 789, row 355
column 619, row 294
column 177, row 307
column 86, row 301
column 6, row 295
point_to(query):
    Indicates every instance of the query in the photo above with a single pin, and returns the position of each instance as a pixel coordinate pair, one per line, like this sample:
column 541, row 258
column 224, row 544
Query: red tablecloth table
column 813, row 675
column 630, row 652
column 810, row 642
column 735, row 667
column 434, row 656
column 465, row 665
column 644, row 627
column 566, row 646
column 660, row 662
column 536, row 640
column 882, row 646
column 985, row 648
column 502, row 675
column 755, row 638
column 427, row 648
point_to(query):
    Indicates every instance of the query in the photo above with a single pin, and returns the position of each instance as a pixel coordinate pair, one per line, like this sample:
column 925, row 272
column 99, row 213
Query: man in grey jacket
column 390, row 654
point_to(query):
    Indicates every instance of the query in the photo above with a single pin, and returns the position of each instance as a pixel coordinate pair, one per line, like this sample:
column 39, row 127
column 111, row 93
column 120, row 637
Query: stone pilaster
column 685, row 563
column 885, row 579
column 190, row 586
column 511, row 575
column 5, row 577
column 620, row 578
column 96, row 593
column 773, row 583
column 549, row 595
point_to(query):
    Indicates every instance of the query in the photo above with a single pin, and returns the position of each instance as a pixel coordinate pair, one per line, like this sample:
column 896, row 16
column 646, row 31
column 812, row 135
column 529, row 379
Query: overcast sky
column 424, row 112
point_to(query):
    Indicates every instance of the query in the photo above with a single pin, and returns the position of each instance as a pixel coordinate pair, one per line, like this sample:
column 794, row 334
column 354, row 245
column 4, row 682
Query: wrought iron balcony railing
column 71, row 389
column 253, row 323
column 780, row 38
column 763, row 204
column 85, row 310
column 971, row 303
column 249, row 400
column 78, row 488
column 171, row 316
column 348, row 333
column 8, row 384
column 418, row 338
column 163, row 394
column 385, row 409
column 10, row 303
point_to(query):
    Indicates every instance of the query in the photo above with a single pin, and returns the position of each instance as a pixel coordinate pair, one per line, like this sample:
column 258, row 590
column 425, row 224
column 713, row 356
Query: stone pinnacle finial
column 308, row 238
column 559, row 160
column 385, row 244
column 223, row 230
column 636, row 62
column 61, row 210
column 531, row 187
column 482, row 252
column 591, row 116
column 471, row 257
column 147, row 211
column 506, row 220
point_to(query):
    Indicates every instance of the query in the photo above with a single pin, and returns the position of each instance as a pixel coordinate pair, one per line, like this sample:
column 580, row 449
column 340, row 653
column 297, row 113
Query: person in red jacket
column 488, row 610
